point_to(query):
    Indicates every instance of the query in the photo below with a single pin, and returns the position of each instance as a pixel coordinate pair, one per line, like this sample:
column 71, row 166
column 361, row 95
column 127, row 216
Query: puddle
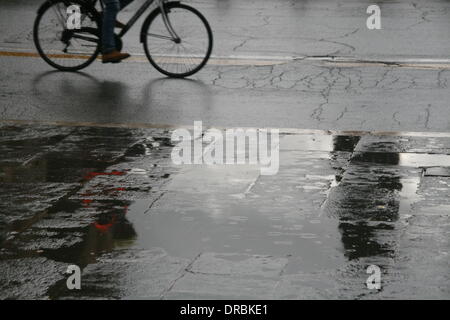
column 328, row 207
column 237, row 228
column 373, row 200
column 408, row 194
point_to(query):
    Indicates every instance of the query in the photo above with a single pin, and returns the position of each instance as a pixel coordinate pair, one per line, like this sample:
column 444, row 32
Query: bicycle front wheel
column 64, row 48
column 182, row 56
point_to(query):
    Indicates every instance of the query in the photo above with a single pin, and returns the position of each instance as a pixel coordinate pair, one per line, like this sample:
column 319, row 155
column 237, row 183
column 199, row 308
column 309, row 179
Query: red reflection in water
column 105, row 227
column 102, row 226
column 92, row 175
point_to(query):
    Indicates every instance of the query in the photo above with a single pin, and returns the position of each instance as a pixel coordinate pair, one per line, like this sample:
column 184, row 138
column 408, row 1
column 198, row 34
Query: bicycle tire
column 144, row 39
column 93, row 14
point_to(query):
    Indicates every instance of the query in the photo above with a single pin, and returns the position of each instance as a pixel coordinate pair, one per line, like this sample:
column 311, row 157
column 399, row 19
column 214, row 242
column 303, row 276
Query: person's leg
column 111, row 9
column 124, row 3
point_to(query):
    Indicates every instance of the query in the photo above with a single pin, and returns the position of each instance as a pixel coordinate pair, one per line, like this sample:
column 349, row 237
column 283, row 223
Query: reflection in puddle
column 366, row 194
column 369, row 200
column 110, row 230
column 414, row 160
column 366, row 197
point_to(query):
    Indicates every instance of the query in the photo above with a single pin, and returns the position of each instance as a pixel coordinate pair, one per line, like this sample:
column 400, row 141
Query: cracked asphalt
column 313, row 95
column 314, row 60
column 86, row 176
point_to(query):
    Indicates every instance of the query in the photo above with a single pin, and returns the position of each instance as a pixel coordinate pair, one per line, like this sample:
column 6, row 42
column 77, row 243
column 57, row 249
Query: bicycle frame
column 174, row 37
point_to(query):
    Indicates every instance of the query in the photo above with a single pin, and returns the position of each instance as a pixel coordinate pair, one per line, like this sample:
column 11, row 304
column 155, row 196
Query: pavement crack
column 442, row 83
column 383, row 77
column 325, row 93
column 427, row 116
column 341, row 114
column 182, row 273
column 154, row 201
column 243, row 43
column 423, row 15
column 337, row 52
column 345, row 35
column 394, row 117
column 265, row 18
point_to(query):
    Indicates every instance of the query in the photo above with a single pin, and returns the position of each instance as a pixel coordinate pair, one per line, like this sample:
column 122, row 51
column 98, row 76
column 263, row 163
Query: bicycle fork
column 167, row 23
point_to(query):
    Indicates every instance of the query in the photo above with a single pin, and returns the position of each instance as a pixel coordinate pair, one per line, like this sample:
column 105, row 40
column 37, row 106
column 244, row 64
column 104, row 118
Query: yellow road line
column 140, row 58
column 36, row 55
column 250, row 61
column 353, row 64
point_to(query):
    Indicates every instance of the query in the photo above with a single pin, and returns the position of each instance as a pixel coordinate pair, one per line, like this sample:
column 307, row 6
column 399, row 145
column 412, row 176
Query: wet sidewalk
column 111, row 201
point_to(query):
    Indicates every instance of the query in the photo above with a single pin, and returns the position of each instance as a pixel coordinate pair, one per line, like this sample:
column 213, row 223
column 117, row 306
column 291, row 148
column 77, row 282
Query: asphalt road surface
column 87, row 176
column 277, row 63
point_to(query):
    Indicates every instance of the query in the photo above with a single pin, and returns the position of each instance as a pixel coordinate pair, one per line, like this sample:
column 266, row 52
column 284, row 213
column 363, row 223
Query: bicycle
column 177, row 38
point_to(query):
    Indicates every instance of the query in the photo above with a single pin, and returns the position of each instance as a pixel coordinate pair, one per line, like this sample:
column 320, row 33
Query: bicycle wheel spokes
column 181, row 58
column 63, row 48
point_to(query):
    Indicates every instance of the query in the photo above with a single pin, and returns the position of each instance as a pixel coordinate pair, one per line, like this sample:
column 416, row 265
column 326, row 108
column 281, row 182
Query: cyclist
column 110, row 54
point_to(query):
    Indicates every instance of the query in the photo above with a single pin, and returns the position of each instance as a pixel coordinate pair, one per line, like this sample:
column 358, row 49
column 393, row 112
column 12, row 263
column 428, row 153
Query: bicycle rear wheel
column 62, row 48
column 177, row 57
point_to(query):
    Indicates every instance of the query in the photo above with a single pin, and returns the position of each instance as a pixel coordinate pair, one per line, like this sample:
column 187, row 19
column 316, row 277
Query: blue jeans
column 110, row 11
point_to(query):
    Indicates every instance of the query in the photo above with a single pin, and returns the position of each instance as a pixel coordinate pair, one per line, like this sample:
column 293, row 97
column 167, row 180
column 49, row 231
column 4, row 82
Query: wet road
column 284, row 28
column 276, row 78
column 111, row 201
column 86, row 176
